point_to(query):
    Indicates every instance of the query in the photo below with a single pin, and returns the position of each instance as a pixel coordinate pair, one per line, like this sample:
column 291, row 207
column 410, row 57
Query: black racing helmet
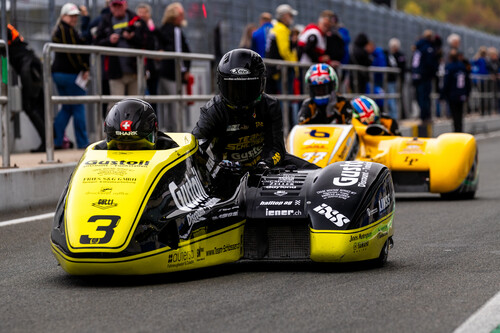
column 241, row 77
column 131, row 124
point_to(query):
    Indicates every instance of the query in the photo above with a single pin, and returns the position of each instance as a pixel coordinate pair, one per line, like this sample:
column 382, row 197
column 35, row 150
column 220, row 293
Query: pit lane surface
column 445, row 265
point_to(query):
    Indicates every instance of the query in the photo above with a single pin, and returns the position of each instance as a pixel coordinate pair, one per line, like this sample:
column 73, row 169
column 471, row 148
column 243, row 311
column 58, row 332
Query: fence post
column 47, row 94
column 178, row 91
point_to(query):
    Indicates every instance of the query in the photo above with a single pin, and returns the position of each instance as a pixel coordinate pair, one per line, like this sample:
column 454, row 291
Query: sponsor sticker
column 105, row 204
column 339, row 193
column 223, row 249
column 353, row 172
column 332, row 215
column 122, row 163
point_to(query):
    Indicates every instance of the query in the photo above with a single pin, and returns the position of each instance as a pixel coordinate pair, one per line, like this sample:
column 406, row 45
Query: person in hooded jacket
column 456, row 88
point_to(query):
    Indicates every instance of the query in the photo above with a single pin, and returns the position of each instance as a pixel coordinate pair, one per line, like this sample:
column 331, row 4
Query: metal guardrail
column 5, row 111
column 97, row 51
column 96, row 72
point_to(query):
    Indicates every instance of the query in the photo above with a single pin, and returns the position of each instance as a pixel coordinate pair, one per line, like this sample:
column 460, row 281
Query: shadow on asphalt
column 242, row 267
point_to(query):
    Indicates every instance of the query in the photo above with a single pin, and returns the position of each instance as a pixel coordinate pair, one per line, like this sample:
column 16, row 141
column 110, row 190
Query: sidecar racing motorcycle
column 447, row 164
column 158, row 211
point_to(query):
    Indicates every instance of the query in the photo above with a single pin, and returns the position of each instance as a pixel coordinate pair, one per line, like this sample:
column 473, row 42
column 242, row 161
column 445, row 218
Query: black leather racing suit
column 247, row 136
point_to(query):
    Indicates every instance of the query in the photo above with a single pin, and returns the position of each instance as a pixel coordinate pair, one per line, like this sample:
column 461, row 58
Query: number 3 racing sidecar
column 157, row 211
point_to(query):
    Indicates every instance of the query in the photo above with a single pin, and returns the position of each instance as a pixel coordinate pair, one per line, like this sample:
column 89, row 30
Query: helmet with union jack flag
column 365, row 110
column 131, row 124
column 322, row 81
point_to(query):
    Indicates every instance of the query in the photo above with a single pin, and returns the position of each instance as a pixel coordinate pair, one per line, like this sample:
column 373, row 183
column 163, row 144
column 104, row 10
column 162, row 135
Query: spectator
column 378, row 60
column 361, row 55
column 90, row 34
column 494, row 70
column 172, row 39
column 395, row 59
column 344, row 33
column 453, row 41
column 152, row 66
column 480, row 67
column 335, row 45
column 312, row 40
column 66, row 68
column 124, row 29
column 278, row 45
column 246, row 36
column 456, row 88
column 425, row 62
column 30, row 69
column 259, row 36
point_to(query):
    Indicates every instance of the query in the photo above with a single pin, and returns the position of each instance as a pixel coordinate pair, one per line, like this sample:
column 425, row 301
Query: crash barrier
column 96, row 72
column 5, row 112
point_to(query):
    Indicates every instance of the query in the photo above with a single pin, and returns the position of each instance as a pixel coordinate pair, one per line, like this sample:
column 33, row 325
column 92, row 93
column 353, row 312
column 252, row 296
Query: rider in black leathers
column 242, row 126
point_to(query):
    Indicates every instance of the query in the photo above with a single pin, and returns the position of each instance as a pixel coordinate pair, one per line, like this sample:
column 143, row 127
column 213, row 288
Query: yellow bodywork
column 223, row 246
column 448, row 158
column 322, row 145
column 101, row 217
column 351, row 245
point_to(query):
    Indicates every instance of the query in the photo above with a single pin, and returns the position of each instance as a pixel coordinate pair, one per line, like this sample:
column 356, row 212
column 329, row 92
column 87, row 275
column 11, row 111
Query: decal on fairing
column 353, row 172
column 332, row 215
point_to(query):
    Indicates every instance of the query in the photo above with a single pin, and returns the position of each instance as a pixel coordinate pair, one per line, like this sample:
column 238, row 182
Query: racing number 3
column 109, row 229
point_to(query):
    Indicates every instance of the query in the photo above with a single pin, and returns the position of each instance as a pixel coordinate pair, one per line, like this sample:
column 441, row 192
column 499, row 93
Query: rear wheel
column 458, row 195
column 384, row 254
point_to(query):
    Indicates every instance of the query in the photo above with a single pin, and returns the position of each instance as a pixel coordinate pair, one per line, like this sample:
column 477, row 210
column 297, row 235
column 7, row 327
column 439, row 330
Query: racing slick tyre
column 384, row 254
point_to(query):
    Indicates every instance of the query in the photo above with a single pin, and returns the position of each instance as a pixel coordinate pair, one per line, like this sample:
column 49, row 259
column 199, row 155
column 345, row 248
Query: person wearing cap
column 122, row 28
column 259, row 36
column 278, row 46
column 65, row 70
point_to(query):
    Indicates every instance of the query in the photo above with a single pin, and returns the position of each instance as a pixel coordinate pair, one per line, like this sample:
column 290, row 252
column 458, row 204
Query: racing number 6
column 109, row 229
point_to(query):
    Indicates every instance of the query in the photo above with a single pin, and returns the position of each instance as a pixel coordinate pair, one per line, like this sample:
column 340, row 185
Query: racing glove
column 229, row 166
column 262, row 166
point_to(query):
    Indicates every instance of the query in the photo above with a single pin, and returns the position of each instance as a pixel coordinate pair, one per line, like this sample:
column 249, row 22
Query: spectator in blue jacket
column 259, row 36
column 456, row 88
column 425, row 63
column 480, row 67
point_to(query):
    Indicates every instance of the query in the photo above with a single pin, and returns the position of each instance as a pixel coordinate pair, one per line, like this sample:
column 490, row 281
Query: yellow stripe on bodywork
column 351, row 245
column 222, row 246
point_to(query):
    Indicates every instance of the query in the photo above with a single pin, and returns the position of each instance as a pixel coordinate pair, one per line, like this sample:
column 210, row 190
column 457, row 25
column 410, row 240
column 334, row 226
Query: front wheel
column 458, row 195
column 384, row 254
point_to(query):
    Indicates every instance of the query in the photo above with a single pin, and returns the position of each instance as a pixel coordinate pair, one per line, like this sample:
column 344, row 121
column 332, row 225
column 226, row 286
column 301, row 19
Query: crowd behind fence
column 484, row 95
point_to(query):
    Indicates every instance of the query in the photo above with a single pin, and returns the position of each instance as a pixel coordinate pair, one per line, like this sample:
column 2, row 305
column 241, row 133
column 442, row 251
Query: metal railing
column 5, row 111
column 96, row 53
column 96, row 73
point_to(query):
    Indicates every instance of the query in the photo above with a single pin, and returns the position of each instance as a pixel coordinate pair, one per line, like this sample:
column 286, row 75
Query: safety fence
column 96, row 53
column 5, row 112
column 483, row 94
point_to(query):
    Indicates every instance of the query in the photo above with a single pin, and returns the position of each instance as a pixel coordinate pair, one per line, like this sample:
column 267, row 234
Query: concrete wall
column 25, row 189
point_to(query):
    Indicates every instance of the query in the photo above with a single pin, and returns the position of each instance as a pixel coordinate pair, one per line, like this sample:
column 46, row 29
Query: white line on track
column 486, row 319
column 27, row 219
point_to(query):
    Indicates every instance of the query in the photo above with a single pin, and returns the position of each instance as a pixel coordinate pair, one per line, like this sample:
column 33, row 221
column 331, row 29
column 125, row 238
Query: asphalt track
column 444, row 267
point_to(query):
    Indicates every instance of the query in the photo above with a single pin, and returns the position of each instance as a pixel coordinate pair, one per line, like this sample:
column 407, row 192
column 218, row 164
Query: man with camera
column 122, row 28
